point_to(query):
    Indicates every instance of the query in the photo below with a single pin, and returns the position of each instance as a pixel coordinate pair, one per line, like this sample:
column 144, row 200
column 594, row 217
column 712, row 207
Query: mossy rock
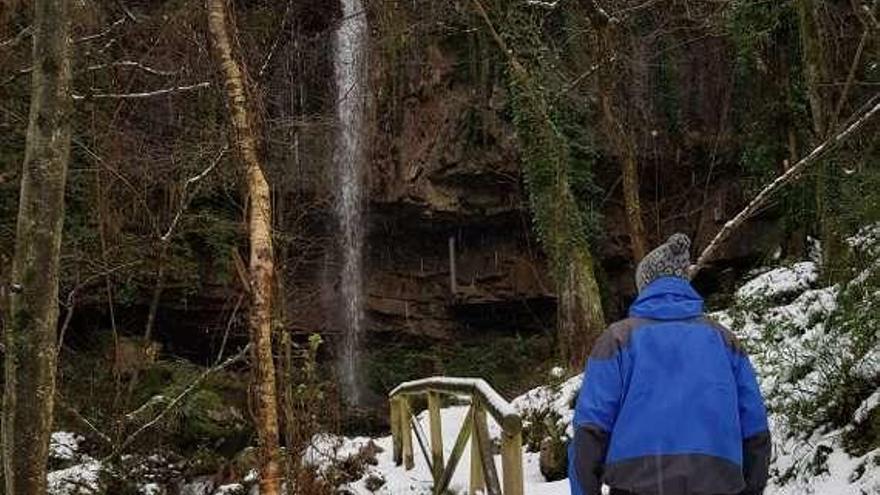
column 208, row 419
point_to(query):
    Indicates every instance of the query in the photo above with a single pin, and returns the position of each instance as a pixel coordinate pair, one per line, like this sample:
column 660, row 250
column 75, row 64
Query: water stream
column 350, row 70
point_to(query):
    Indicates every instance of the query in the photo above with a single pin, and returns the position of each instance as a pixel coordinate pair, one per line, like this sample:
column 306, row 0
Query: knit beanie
column 670, row 259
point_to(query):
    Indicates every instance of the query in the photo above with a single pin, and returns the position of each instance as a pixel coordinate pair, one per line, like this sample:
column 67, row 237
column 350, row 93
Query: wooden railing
column 483, row 399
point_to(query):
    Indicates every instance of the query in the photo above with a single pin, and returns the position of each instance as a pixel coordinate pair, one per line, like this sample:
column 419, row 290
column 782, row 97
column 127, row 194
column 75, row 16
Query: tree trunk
column 580, row 319
column 261, row 263
column 618, row 136
column 817, row 71
column 33, row 302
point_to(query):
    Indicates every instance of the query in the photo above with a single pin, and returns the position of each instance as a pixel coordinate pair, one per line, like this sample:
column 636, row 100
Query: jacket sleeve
column 755, row 431
column 595, row 413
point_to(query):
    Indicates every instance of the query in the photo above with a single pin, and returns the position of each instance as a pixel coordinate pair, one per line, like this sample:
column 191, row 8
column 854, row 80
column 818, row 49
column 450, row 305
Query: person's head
column 670, row 259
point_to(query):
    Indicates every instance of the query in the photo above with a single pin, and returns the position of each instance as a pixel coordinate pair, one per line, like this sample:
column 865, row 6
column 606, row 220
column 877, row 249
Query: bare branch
column 275, row 43
column 789, row 176
column 177, row 400
column 103, row 33
column 82, row 419
column 132, row 63
column 148, row 94
column 589, row 72
column 189, row 182
column 70, row 303
column 15, row 40
column 544, row 4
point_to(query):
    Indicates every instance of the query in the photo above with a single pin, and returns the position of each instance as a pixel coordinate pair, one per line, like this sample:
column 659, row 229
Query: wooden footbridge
column 483, row 399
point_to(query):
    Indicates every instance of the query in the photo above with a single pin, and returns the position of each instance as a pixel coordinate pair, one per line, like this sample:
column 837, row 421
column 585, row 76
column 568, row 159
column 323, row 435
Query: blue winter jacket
column 669, row 404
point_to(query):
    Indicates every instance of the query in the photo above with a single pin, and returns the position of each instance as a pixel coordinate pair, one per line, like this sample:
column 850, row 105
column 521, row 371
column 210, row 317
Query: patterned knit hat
column 671, row 259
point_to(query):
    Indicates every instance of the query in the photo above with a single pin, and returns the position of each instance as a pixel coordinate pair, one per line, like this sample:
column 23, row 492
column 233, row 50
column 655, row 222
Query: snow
column 151, row 489
column 79, row 479
column 787, row 324
column 64, row 445
column 419, row 481
column 780, row 281
column 495, row 401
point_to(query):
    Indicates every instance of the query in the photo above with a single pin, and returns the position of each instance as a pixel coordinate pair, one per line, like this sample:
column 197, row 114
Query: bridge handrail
column 497, row 406
column 484, row 400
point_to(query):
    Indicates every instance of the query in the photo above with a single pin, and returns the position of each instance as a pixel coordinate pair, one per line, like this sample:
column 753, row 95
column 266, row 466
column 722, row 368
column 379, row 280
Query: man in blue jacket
column 670, row 404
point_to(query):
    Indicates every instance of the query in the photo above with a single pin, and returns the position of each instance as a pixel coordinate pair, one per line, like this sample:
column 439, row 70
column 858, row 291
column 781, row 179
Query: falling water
column 350, row 69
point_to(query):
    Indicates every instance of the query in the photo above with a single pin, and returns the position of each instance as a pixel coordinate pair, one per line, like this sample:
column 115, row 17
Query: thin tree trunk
column 817, row 72
column 630, row 169
column 261, row 261
column 618, row 135
column 33, row 304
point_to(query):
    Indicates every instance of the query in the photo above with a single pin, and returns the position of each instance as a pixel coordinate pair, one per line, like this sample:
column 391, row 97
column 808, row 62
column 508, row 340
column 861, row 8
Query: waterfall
column 351, row 71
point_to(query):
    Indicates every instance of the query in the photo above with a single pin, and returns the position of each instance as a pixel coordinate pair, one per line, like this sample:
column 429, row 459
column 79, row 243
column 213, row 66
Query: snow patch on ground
column 64, row 445
column 79, row 479
column 780, row 281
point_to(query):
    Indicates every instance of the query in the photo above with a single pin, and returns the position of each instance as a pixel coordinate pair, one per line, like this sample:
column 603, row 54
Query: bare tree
column 621, row 139
column 33, row 303
column 261, row 268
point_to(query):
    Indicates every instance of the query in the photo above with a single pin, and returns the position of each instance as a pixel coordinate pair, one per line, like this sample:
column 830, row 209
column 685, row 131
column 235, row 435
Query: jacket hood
column 668, row 298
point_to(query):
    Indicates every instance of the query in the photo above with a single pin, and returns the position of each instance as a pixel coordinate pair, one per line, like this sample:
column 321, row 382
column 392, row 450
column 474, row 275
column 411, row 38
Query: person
column 670, row 403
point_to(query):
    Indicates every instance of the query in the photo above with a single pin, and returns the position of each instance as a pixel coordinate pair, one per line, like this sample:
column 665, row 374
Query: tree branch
column 177, row 400
column 136, row 96
column 192, row 180
column 789, row 176
column 132, row 63
column 15, row 40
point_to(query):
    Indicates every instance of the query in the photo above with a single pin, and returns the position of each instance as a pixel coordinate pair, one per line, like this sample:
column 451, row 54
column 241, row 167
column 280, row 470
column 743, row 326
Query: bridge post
column 436, row 435
column 406, row 433
column 511, row 461
column 396, row 433
column 477, row 483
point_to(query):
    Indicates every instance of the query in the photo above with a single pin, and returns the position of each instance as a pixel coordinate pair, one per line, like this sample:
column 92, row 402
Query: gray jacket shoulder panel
column 615, row 337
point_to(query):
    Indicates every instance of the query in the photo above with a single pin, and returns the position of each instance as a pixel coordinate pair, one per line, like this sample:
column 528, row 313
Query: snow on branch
column 102, row 33
column 137, row 65
column 789, row 176
column 544, row 4
column 148, row 94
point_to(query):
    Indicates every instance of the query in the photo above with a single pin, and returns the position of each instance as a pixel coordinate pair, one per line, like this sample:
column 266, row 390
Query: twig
column 102, row 33
column 148, row 94
column 275, row 43
column 15, row 40
column 852, row 71
column 192, row 180
column 790, row 175
column 70, row 303
column 132, row 63
column 585, row 75
column 176, row 400
column 82, row 419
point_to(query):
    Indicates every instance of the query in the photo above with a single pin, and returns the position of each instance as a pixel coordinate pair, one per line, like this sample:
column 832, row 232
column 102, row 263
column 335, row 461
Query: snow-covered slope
column 805, row 341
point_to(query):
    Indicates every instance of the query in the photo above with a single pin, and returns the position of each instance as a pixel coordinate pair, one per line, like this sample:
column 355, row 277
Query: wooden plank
column 511, row 463
column 436, row 436
column 396, row 436
column 406, row 433
column 477, row 483
column 455, row 456
column 487, row 460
